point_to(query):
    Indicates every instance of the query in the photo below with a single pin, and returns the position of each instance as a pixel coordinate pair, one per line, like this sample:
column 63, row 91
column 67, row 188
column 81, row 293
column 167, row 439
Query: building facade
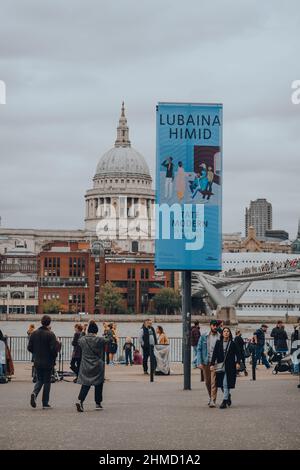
column 235, row 243
column 259, row 216
column 137, row 280
column 120, row 206
column 18, row 281
column 67, row 275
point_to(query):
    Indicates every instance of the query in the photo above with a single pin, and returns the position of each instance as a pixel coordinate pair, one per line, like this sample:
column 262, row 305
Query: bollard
column 152, row 363
column 253, row 363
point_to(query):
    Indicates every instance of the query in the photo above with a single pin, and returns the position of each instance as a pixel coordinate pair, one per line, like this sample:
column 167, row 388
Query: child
column 128, row 346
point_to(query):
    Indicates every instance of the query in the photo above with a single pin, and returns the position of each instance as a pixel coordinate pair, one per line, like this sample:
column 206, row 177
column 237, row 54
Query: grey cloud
column 68, row 65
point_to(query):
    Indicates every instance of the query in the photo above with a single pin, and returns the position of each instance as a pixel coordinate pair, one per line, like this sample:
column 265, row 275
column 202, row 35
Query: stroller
column 283, row 363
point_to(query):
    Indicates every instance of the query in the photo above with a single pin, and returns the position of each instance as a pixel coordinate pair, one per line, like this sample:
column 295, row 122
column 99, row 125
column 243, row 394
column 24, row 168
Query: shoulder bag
column 220, row 366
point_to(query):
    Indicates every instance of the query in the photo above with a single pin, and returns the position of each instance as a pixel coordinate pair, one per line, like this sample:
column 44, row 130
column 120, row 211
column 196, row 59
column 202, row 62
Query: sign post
column 186, row 324
column 188, row 198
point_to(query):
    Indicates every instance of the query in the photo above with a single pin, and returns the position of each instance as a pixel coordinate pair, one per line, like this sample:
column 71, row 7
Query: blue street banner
column 188, row 187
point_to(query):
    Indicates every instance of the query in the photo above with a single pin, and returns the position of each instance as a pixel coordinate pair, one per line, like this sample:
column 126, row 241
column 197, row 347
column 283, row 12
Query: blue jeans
column 195, row 356
column 259, row 355
column 1, row 369
column 226, row 390
column 128, row 356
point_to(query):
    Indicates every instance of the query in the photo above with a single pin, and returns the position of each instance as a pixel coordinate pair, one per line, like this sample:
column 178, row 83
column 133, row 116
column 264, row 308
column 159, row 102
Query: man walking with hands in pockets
column 205, row 351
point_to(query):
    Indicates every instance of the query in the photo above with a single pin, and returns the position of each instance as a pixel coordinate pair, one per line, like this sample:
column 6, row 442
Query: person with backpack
column 43, row 345
column 259, row 340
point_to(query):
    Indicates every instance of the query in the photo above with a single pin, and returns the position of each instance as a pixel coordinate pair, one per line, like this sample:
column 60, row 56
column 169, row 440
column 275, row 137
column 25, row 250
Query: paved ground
column 140, row 415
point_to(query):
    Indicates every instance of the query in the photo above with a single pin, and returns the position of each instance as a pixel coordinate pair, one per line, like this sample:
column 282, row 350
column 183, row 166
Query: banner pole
column 186, row 323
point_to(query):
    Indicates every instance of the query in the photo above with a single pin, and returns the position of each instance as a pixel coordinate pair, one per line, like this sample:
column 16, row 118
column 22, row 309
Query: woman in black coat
column 225, row 348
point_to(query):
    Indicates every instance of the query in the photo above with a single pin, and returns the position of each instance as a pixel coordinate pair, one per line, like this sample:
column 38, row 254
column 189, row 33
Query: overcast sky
column 69, row 64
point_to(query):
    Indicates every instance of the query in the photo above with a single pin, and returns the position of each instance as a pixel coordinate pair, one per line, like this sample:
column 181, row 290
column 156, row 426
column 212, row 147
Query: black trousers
column 148, row 352
column 75, row 364
column 106, row 359
column 85, row 390
column 43, row 380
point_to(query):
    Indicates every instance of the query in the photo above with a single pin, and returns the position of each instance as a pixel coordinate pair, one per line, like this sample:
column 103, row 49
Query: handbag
column 220, row 366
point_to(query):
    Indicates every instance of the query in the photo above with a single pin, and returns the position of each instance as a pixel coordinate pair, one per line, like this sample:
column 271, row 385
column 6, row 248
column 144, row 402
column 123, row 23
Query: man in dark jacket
column 275, row 332
column 147, row 339
column 280, row 337
column 43, row 345
column 195, row 335
column 239, row 342
column 259, row 339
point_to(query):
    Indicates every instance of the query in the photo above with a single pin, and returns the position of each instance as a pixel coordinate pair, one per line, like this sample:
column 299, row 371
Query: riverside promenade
column 140, row 415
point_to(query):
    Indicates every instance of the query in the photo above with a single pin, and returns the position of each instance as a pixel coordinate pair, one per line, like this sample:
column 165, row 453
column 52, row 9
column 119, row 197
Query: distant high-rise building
column 259, row 216
column 296, row 243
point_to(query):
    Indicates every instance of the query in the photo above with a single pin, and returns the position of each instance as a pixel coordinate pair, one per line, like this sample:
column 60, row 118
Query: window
column 135, row 247
column 131, row 273
column 142, row 274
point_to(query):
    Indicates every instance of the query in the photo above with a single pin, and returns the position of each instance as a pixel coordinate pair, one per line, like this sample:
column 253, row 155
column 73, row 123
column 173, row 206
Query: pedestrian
column 91, row 371
column 220, row 324
column 240, row 344
column 161, row 336
column 147, row 340
column 30, row 330
column 226, row 354
column 76, row 354
column 43, row 345
column 259, row 340
column 195, row 335
column 3, row 378
column 128, row 348
column 106, row 346
column 295, row 347
column 162, row 353
column 274, row 333
column 112, row 343
column 205, row 349
column 280, row 338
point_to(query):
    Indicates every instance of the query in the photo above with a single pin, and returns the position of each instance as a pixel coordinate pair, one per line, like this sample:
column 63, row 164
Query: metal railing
column 18, row 347
column 19, row 352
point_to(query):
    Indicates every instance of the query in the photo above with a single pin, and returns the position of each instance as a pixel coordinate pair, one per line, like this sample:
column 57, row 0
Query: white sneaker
column 212, row 404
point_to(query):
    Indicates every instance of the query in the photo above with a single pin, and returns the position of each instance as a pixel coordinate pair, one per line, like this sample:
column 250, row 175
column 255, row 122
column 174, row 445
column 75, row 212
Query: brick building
column 137, row 280
column 68, row 274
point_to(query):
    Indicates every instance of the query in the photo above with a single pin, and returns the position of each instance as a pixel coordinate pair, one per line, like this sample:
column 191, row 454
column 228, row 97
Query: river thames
column 19, row 328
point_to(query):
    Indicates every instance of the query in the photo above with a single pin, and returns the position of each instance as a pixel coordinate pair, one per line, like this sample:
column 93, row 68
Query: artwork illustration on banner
column 189, row 186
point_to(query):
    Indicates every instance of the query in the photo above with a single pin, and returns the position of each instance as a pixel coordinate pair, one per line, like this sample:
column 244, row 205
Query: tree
column 167, row 300
column 52, row 307
column 111, row 298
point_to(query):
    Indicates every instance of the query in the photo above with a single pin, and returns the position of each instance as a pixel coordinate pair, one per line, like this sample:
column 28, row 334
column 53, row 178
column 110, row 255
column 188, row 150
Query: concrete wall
column 141, row 318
